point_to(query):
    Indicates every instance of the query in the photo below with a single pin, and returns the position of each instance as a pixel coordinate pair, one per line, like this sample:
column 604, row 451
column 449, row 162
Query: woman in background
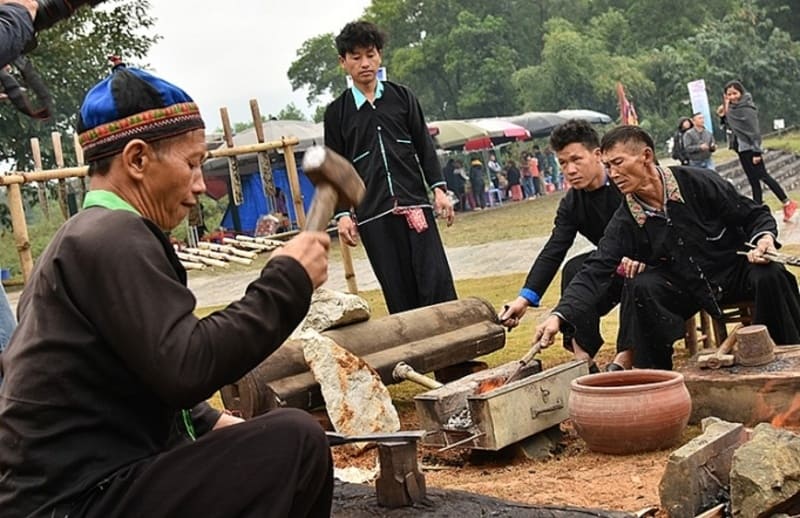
column 739, row 113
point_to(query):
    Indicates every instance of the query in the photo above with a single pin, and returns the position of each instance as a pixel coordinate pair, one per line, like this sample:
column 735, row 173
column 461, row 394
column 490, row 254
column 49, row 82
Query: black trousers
column 655, row 305
column 275, row 465
column 411, row 267
column 756, row 173
column 586, row 330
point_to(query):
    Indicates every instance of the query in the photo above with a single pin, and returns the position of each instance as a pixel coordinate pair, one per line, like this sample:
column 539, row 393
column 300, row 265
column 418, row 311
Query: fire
column 768, row 409
column 490, row 384
column 790, row 418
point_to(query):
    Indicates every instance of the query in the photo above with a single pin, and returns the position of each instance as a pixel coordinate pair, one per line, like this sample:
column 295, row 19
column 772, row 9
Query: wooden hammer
column 337, row 182
column 721, row 358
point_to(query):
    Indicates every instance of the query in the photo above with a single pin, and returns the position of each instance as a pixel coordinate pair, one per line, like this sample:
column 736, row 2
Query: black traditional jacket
column 389, row 145
column 704, row 223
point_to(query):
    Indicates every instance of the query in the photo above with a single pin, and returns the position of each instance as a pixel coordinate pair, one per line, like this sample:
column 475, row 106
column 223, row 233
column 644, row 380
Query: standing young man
column 586, row 209
column 380, row 127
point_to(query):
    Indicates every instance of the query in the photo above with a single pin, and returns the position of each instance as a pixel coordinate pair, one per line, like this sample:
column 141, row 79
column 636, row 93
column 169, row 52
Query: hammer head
column 324, row 166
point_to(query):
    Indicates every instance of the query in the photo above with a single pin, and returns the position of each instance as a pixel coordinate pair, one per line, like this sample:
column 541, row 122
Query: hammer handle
column 322, row 207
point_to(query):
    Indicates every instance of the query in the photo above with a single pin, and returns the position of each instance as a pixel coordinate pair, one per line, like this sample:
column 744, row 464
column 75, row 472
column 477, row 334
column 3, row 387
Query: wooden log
column 36, row 152
column 755, row 346
column 20, row 229
column 294, row 185
column 426, row 338
column 62, row 185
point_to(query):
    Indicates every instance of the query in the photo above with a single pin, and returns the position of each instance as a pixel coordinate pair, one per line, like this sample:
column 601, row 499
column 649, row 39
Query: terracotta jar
column 629, row 411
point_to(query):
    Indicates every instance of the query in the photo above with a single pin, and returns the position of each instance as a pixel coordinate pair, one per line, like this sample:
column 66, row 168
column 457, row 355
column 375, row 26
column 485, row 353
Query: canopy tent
column 499, row 132
column 540, row 124
column 454, row 134
column 589, row 116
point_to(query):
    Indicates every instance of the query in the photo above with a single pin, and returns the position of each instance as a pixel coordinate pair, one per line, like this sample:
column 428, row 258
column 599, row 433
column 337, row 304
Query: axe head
column 322, row 165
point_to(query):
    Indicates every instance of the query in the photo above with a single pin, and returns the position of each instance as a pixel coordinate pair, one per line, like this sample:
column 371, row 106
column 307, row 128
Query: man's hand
column 348, row 230
column 443, row 206
column 30, row 5
column 310, row 249
column 513, row 312
column 546, row 332
column 765, row 243
column 629, row 268
column 756, row 159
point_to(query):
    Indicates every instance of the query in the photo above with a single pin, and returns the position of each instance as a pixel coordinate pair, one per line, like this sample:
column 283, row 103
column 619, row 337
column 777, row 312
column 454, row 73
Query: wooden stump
column 754, row 346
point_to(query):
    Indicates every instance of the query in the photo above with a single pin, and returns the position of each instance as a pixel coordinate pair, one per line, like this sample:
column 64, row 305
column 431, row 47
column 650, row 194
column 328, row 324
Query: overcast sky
column 226, row 53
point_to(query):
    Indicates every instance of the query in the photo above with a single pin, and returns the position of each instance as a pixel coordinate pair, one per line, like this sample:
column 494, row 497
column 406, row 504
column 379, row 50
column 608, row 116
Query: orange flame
column 790, row 418
column 490, row 384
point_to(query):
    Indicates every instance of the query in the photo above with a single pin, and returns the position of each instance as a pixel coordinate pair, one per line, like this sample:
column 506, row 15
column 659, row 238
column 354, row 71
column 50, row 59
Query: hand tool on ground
column 721, row 358
column 336, row 439
column 404, row 371
column 524, row 361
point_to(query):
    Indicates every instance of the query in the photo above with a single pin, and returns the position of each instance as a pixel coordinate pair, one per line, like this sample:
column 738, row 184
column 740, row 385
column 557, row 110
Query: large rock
column 697, row 474
column 331, row 309
column 765, row 472
column 355, row 398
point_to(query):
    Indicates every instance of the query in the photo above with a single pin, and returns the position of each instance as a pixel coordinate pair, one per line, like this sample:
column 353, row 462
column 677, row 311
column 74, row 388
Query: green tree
column 71, row 57
column 317, row 68
column 290, row 112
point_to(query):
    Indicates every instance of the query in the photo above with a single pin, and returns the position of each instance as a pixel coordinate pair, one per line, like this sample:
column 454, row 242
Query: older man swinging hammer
column 108, row 350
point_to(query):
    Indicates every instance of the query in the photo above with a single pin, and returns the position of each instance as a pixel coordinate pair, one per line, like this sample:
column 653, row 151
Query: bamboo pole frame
column 13, row 181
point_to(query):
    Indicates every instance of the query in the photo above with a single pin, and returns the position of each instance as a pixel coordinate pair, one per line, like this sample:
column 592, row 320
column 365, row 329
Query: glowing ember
column 790, row 418
column 490, row 384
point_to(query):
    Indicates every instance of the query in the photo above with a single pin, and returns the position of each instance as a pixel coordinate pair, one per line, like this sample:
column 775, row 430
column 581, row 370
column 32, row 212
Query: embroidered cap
column 129, row 104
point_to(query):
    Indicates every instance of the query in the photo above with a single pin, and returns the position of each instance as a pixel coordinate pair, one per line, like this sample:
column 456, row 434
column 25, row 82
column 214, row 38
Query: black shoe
column 613, row 367
column 593, row 368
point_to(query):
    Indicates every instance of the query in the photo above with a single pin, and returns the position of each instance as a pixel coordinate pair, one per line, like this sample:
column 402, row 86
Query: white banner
column 699, row 98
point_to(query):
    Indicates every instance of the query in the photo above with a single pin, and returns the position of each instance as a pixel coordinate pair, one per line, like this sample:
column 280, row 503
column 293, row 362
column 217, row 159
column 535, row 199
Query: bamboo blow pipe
column 404, row 371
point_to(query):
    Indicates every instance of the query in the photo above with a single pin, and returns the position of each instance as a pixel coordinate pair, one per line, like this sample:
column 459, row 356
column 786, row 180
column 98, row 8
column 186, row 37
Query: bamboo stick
column 294, row 185
column 219, row 255
column 189, row 265
column 62, row 185
column 272, row 243
column 84, row 186
column 245, row 244
column 253, row 148
column 349, row 271
column 227, row 249
column 20, row 229
column 183, row 256
column 18, row 177
column 36, row 151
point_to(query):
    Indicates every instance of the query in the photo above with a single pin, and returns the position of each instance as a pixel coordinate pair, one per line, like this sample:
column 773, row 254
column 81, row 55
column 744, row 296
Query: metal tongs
column 775, row 257
column 523, row 362
column 336, row 439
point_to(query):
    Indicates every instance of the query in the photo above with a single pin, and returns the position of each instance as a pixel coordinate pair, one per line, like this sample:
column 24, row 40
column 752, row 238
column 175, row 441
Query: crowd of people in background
column 475, row 185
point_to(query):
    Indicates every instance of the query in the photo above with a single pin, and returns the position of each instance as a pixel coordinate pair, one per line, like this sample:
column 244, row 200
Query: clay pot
column 629, row 411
